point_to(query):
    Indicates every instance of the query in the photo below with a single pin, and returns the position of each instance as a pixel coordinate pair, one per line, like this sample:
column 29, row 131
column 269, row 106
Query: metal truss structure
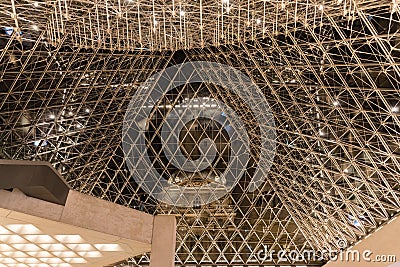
column 328, row 70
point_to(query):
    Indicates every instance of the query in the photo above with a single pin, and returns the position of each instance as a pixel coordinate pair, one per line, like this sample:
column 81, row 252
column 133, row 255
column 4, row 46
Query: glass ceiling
column 328, row 71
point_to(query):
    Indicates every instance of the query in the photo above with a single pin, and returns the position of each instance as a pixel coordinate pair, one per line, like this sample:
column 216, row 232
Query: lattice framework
column 330, row 74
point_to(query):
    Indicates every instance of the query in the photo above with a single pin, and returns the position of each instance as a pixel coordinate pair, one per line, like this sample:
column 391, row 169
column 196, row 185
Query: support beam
column 163, row 241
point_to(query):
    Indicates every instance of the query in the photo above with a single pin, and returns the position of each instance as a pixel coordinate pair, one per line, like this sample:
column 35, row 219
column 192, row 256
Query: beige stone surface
column 18, row 201
column 100, row 215
column 385, row 241
column 163, row 241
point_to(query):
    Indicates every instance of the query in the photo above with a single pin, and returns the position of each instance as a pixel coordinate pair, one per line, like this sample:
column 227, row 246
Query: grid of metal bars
column 329, row 71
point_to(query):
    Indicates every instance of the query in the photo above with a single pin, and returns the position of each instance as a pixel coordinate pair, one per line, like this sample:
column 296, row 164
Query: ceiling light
column 12, row 239
column 23, row 228
column 41, row 254
column 39, row 238
column 75, row 260
column 182, row 13
column 81, row 247
column 258, row 21
column 335, row 103
column 2, row 232
column 36, row 4
column 395, row 109
column 74, row 239
column 321, row 7
column 90, row 254
column 27, row 247
column 46, row 243
column 4, row 247
column 47, row 250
